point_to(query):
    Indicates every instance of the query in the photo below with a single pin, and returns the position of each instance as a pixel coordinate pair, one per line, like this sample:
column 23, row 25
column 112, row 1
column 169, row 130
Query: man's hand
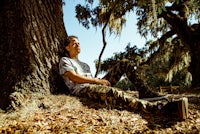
column 102, row 82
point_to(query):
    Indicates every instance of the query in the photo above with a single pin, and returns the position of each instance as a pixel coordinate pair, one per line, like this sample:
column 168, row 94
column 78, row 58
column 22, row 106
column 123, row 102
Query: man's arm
column 83, row 79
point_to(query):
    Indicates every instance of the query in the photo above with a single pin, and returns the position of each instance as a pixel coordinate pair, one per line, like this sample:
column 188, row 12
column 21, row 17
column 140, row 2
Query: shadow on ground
column 155, row 121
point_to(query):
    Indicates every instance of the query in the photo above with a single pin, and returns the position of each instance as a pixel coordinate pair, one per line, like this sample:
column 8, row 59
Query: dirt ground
column 69, row 114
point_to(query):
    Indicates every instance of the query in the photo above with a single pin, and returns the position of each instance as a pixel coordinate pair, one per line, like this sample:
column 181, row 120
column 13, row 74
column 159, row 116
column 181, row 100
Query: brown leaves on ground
column 68, row 114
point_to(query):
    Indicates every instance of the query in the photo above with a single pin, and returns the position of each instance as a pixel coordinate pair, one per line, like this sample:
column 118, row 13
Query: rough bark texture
column 31, row 32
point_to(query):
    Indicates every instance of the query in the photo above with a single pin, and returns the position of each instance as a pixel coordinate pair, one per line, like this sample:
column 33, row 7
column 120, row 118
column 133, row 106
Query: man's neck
column 74, row 57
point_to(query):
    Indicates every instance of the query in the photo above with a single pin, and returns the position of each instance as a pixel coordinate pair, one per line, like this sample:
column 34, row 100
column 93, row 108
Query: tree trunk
column 194, row 70
column 189, row 35
column 31, row 32
column 194, row 67
column 195, row 59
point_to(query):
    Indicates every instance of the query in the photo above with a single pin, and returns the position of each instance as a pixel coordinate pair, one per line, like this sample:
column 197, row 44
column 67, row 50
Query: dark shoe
column 168, row 106
column 183, row 108
column 177, row 107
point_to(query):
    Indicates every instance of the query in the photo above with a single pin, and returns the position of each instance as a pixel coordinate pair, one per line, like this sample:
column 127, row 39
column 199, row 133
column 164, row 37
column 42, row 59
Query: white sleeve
column 65, row 65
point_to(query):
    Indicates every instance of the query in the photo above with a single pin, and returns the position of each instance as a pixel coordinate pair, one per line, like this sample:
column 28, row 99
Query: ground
column 69, row 114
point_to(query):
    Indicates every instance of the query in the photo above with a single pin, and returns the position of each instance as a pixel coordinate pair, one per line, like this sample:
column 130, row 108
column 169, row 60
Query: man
column 77, row 76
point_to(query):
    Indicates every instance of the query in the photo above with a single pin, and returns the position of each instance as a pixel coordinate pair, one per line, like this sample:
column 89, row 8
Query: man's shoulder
column 64, row 59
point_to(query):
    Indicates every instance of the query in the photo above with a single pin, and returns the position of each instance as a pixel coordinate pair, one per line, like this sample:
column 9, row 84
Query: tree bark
column 31, row 32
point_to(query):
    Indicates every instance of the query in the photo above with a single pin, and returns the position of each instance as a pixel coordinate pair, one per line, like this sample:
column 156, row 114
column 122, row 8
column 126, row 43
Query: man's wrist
column 96, row 81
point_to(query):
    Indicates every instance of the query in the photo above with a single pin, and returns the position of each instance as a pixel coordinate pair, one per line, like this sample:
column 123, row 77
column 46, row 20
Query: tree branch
column 101, row 53
column 165, row 37
column 104, row 41
column 161, row 41
column 179, row 25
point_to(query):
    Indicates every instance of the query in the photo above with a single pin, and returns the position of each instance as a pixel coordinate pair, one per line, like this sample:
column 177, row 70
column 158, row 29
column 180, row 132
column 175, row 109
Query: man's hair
column 68, row 39
column 67, row 42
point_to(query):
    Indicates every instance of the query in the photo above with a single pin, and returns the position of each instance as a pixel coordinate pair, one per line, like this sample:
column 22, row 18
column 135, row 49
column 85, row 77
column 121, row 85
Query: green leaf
column 159, row 10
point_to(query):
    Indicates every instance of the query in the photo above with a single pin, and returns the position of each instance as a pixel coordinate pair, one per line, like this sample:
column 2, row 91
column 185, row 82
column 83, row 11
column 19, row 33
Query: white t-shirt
column 81, row 68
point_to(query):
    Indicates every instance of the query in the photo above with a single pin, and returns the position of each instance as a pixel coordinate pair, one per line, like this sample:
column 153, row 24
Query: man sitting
column 77, row 76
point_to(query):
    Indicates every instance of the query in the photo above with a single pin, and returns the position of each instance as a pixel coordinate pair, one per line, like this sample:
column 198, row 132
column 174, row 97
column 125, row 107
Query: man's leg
column 126, row 67
column 118, row 98
column 114, row 97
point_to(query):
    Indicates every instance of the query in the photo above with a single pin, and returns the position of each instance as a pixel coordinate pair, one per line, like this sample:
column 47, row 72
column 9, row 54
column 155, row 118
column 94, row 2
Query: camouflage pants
column 126, row 67
column 117, row 98
column 149, row 101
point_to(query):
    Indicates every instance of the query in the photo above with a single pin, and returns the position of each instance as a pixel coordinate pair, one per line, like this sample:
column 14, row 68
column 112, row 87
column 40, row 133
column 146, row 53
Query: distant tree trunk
column 189, row 35
column 195, row 62
column 194, row 70
column 31, row 32
column 193, row 41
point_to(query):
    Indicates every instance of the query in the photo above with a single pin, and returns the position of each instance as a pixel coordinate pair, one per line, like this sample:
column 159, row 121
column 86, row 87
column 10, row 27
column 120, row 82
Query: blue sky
column 91, row 39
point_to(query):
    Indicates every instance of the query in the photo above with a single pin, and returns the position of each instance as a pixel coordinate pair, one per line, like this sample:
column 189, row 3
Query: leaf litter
column 69, row 114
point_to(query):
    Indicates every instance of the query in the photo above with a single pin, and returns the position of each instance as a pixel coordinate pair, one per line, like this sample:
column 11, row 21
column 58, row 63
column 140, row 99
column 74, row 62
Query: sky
column 91, row 39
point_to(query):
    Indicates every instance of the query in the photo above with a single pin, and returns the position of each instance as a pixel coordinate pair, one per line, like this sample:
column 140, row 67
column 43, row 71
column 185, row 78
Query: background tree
column 157, row 71
column 164, row 20
column 31, row 32
column 133, row 54
column 171, row 20
column 154, row 74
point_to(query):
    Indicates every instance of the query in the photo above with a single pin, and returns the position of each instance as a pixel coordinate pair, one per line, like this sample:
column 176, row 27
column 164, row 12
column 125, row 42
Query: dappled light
column 154, row 89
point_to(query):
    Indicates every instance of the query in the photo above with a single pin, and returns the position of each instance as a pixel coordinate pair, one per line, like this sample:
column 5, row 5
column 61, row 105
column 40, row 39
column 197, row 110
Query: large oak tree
column 32, row 33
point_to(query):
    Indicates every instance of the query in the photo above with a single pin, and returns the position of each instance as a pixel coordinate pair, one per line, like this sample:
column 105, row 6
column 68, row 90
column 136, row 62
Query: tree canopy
column 172, row 23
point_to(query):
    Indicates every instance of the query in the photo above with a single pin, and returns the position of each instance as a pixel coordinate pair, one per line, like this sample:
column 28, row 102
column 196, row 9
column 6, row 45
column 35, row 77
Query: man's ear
column 67, row 48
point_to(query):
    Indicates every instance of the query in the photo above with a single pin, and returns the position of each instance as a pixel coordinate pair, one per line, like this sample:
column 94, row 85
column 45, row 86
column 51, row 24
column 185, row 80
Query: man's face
column 74, row 47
